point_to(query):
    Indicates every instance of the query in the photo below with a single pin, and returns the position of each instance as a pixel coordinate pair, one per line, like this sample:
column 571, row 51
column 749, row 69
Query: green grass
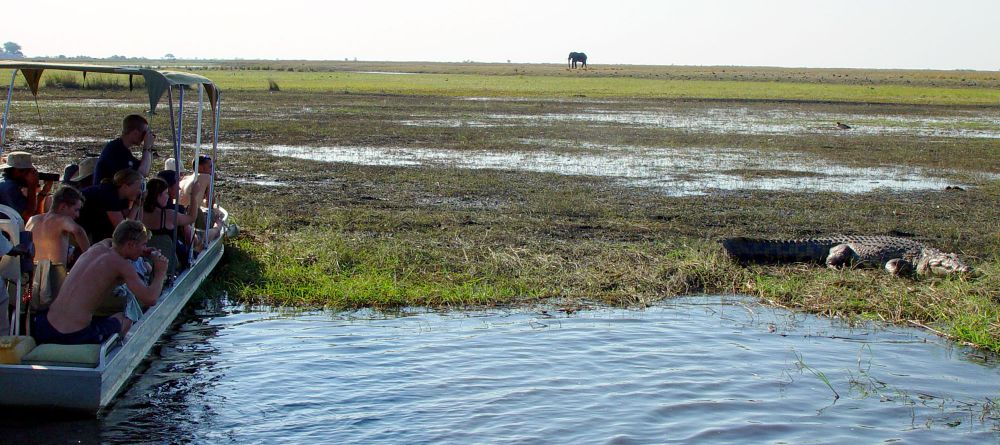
column 316, row 266
column 596, row 87
column 626, row 82
column 93, row 81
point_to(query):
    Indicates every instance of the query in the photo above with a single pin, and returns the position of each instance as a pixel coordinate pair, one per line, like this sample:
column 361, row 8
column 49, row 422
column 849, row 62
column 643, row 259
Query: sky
column 914, row 34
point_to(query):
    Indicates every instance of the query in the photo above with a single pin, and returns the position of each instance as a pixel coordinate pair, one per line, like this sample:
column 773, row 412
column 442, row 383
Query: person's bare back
column 193, row 190
column 97, row 271
column 50, row 234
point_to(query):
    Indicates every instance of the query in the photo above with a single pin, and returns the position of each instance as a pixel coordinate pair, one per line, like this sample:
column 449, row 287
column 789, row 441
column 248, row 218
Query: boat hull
column 92, row 389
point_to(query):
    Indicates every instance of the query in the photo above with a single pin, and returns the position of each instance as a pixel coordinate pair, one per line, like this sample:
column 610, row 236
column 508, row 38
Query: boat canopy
column 156, row 81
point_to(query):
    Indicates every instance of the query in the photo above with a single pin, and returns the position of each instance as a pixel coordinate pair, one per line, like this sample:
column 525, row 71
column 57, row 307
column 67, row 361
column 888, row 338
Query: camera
column 48, row 176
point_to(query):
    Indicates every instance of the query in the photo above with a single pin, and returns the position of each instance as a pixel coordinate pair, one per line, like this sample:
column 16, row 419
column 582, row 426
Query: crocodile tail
column 775, row 251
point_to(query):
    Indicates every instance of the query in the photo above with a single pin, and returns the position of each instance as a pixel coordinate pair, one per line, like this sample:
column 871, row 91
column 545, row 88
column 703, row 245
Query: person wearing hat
column 20, row 188
column 117, row 154
column 83, row 177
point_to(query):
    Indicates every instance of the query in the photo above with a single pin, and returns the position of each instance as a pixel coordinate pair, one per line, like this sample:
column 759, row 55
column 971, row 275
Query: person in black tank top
column 157, row 217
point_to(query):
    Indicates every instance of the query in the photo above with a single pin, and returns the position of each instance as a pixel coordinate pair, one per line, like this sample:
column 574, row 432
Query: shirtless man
column 50, row 233
column 194, row 189
column 70, row 319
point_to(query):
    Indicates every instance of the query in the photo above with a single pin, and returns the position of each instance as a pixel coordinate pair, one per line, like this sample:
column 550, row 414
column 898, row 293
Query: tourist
column 117, row 154
column 194, row 191
column 108, row 203
column 70, row 319
column 51, row 234
column 159, row 218
column 20, row 188
column 83, row 177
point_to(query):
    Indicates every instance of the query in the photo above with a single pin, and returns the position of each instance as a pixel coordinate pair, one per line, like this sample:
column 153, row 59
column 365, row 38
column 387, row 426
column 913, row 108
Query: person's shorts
column 100, row 329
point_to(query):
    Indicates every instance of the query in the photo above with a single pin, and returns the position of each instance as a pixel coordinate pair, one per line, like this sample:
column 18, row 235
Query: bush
column 77, row 82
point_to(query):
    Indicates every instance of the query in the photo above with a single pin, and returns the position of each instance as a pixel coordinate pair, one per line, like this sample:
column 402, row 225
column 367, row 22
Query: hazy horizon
column 875, row 34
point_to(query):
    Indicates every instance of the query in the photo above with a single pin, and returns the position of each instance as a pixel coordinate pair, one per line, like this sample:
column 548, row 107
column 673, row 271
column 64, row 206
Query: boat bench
column 49, row 354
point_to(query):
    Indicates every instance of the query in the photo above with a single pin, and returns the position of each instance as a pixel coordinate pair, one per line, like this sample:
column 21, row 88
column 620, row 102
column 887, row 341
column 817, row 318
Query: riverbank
column 479, row 188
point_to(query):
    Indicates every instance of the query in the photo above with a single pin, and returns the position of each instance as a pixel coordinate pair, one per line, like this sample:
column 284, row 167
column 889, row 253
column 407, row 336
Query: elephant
column 576, row 57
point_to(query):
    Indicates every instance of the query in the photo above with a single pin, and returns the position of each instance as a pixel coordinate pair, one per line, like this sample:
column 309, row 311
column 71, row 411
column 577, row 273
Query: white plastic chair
column 12, row 225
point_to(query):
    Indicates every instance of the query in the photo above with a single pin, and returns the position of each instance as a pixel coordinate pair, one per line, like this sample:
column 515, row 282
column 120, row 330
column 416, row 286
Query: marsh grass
column 554, row 81
column 92, row 81
column 344, row 235
column 473, row 85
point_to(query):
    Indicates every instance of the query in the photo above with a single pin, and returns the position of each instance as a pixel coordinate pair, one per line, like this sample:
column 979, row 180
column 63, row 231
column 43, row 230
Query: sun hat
column 17, row 159
column 87, row 167
column 169, row 165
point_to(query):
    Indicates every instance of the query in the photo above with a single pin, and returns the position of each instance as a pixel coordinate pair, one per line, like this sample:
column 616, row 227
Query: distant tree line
column 11, row 50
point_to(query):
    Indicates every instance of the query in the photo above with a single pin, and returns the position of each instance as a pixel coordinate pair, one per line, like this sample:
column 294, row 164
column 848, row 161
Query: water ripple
column 692, row 370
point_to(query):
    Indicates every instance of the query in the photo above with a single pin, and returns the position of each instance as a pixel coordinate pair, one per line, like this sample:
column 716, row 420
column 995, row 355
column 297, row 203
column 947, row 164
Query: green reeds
column 76, row 81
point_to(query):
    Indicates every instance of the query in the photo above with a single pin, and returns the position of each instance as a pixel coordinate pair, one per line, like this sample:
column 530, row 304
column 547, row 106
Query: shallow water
column 699, row 369
column 771, row 120
column 778, row 121
column 674, row 171
column 34, row 133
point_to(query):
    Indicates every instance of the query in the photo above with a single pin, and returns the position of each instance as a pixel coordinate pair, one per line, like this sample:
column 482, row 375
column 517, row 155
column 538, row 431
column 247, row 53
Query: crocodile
column 897, row 255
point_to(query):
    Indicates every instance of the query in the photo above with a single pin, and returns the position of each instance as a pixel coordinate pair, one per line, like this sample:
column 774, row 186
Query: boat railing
column 105, row 354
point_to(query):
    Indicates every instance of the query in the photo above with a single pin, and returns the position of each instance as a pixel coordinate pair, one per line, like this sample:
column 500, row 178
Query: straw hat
column 17, row 159
column 87, row 167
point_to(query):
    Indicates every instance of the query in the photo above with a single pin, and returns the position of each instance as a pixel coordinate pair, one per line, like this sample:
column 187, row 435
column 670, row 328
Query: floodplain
column 471, row 185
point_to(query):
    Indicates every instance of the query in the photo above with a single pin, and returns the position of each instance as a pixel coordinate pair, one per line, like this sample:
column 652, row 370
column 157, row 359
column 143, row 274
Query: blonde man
column 70, row 319
column 51, row 234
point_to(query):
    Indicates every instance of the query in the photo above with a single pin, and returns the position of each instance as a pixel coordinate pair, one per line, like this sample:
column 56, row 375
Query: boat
column 90, row 384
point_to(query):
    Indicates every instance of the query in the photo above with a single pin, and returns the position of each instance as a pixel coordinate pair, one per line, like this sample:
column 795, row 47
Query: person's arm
column 30, row 224
column 147, row 153
column 146, row 295
column 31, row 206
column 116, row 217
column 133, row 212
column 146, row 162
column 183, row 219
column 42, row 199
column 199, row 190
column 79, row 235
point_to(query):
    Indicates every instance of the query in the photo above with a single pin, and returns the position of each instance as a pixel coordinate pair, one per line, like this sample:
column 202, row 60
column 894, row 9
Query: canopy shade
column 156, row 81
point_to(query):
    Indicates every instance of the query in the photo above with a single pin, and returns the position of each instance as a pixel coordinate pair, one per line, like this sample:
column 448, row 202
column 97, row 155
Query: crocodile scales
column 897, row 255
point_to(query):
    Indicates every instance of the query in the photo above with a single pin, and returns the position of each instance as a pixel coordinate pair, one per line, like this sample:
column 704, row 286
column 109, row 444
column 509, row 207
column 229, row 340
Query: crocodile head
column 940, row 263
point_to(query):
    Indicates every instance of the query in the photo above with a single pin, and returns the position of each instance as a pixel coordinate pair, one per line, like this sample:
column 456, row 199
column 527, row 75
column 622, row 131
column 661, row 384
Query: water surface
column 700, row 369
column 673, row 171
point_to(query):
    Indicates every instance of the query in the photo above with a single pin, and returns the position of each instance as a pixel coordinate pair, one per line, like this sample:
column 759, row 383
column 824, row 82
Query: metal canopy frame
column 157, row 82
